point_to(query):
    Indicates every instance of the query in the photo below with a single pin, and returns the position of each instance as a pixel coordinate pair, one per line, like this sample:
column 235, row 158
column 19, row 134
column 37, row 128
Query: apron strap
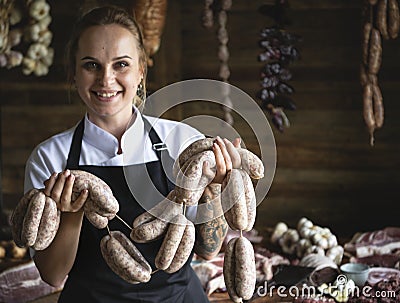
column 161, row 151
column 76, row 145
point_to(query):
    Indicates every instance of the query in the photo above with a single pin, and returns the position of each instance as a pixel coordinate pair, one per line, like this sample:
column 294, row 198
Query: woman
column 107, row 65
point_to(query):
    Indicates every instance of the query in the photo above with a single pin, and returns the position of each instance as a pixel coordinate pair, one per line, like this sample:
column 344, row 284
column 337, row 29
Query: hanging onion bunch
column 279, row 50
column 27, row 43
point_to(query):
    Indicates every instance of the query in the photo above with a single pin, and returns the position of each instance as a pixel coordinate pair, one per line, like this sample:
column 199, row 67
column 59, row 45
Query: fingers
column 236, row 142
column 80, row 201
column 49, row 184
column 232, row 151
column 222, row 160
column 59, row 187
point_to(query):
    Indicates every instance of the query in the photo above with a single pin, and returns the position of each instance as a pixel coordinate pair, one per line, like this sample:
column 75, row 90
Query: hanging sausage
column 381, row 21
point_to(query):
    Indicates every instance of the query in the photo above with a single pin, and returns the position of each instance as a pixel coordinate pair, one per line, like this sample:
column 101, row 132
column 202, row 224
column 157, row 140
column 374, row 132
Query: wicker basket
column 5, row 7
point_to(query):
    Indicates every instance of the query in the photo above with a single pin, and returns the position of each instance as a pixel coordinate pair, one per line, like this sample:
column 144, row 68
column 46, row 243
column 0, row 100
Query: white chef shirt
column 100, row 148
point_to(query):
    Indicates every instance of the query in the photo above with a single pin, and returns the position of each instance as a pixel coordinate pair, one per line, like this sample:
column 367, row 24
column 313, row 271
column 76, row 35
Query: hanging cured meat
column 382, row 21
column 151, row 14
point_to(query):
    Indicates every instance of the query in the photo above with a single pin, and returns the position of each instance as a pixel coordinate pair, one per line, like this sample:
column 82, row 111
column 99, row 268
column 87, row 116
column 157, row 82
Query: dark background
column 326, row 169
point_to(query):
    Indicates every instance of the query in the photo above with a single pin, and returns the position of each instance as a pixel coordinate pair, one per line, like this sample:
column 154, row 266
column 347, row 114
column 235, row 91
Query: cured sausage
column 378, row 106
column 251, row 163
column 32, row 218
column 381, row 18
column 190, row 181
column 184, row 249
column 250, row 198
column 393, row 19
column 18, row 216
column 229, row 271
column 366, row 40
column 48, row 226
column 245, row 273
column 153, row 224
column 194, row 148
column 124, row 258
column 149, row 231
column 100, row 201
column 233, row 193
column 368, row 112
column 171, row 242
column 375, row 52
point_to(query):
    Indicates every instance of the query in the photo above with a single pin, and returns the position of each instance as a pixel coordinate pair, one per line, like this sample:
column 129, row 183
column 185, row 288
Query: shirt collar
column 103, row 140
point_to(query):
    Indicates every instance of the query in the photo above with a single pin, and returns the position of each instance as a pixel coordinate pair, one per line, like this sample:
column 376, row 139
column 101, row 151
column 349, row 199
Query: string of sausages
column 35, row 220
column 382, row 21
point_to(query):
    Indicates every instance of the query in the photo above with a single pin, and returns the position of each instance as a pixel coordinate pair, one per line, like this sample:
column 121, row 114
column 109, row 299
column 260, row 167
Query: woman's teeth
column 107, row 95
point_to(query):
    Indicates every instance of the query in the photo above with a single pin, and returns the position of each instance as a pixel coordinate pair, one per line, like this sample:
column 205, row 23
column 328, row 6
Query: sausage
column 18, row 215
column 153, row 224
column 190, row 181
column 184, row 249
column 245, row 273
column 250, row 197
column 99, row 192
column 124, row 258
column 368, row 111
column 375, row 52
column 363, row 75
column 32, row 218
column 49, row 223
column 97, row 220
column 378, row 106
column 366, row 40
column 100, row 201
column 236, row 214
column 194, row 148
column 133, row 251
column 229, row 270
column 381, row 18
column 149, row 231
column 393, row 19
column 251, row 163
column 171, row 242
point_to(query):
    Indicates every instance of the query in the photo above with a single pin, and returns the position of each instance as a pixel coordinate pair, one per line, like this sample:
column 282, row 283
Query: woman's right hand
column 59, row 187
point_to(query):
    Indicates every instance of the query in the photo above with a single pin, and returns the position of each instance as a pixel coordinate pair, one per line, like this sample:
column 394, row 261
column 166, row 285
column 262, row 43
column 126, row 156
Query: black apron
column 90, row 279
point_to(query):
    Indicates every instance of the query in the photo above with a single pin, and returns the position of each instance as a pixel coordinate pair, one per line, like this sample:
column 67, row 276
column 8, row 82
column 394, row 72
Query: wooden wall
column 326, row 169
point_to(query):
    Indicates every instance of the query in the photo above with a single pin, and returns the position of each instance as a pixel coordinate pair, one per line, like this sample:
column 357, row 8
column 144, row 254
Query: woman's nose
column 106, row 76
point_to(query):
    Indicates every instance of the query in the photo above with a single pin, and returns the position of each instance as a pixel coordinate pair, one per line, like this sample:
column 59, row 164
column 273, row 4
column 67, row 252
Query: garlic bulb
column 39, row 9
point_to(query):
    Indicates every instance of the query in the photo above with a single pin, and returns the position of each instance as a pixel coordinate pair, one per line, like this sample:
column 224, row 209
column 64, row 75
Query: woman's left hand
column 226, row 158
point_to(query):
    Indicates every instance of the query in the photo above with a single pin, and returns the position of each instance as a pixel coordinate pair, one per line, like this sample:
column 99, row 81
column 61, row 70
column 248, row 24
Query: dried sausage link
column 245, row 273
column 184, row 249
column 49, row 224
column 251, row 163
column 18, row 216
column 233, row 192
column 32, row 218
column 393, row 19
column 124, row 258
column 171, row 242
column 229, row 270
column 250, row 197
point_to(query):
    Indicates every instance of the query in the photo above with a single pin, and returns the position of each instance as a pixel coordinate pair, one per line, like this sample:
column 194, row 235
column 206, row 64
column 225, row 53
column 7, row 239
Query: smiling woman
column 106, row 62
column 107, row 75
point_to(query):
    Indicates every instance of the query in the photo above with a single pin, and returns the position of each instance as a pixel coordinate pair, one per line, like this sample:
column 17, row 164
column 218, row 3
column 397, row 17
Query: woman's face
column 107, row 71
